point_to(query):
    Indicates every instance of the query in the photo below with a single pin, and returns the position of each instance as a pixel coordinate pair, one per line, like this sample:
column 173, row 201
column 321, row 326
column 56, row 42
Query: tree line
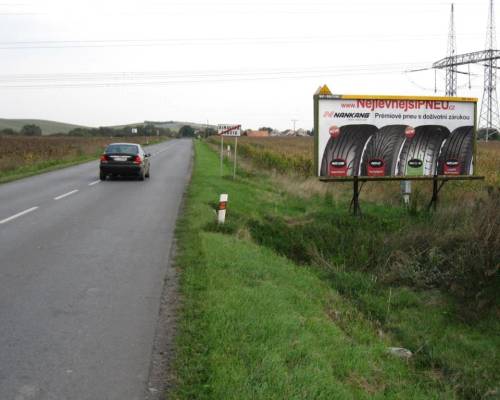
column 128, row 131
column 26, row 130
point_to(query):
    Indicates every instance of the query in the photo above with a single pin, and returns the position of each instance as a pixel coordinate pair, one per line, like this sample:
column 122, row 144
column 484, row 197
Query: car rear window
column 122, row 149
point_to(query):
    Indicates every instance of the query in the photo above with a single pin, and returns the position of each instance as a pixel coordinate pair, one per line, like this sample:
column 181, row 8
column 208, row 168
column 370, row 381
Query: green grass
column 258, row 325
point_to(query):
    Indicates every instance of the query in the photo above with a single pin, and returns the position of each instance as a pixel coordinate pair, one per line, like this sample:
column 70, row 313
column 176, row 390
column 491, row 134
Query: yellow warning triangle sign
column 325, row 90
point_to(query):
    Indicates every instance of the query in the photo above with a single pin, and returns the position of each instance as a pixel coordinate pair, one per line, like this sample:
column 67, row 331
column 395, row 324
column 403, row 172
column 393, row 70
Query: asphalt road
column 82, row 265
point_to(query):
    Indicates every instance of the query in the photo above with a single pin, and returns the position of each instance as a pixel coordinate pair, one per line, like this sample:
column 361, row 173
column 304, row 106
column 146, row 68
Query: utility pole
column 451, row 71
column 489, row 117
column 294, row 121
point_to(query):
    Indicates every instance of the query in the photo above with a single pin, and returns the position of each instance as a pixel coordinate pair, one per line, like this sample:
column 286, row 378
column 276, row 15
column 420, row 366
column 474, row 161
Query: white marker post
column 406, row 192
column 221, row 214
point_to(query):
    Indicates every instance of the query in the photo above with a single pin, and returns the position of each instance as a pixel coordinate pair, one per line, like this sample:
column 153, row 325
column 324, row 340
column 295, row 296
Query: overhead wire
column 98, row 43
column 190, row 7
column 172, row 77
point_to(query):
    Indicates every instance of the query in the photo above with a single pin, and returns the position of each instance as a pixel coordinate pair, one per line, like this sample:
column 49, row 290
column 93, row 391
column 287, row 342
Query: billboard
column 394, row 135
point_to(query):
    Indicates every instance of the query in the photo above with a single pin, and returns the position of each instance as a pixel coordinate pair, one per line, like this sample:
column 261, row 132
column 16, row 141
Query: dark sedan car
column 124, row 159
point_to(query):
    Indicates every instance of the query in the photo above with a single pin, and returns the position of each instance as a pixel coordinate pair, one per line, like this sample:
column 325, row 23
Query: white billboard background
column 339, row 112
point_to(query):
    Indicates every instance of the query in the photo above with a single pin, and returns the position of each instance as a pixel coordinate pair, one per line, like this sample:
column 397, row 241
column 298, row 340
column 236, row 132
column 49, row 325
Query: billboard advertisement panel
column 394, row 135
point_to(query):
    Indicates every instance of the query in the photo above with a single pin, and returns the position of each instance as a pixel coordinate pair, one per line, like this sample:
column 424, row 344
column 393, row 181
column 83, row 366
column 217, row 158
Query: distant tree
column 105, row 131
column 31, row 130
column 186, row 131
column 206, row 132
column 8, row 132
column 166, row 132
column 149, row 130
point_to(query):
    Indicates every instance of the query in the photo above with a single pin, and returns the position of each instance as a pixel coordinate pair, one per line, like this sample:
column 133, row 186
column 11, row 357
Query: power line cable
column 106, row 43
column 190, row 81
column 134, row 75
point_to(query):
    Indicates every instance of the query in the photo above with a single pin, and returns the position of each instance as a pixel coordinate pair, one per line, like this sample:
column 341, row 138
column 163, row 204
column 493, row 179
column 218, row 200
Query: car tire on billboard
column 342, row 155
column 419, row 154
column 457, row 153
column 381, row 154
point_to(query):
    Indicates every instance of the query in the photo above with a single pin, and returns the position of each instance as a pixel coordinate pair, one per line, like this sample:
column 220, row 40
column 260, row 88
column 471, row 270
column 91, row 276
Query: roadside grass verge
column 268, row 315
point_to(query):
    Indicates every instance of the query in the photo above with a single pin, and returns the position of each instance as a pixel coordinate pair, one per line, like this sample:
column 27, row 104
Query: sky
column 250, row 62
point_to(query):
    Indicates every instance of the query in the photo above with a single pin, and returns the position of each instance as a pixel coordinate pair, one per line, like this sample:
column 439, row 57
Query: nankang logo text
column 351, row 115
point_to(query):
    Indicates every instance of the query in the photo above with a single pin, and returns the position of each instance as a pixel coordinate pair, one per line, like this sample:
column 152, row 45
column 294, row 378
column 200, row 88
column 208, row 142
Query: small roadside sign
column 229, row 130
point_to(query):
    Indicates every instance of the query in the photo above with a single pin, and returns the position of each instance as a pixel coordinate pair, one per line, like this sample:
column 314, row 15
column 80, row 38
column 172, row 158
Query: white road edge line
column 3, row 221
column 65, row 195
column 94, row 183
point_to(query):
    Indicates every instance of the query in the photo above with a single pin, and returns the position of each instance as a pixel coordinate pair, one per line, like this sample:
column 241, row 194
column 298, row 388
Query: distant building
column 251, row 133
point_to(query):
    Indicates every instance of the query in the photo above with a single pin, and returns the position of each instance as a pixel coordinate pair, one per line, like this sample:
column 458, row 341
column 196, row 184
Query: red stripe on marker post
column 221, row 214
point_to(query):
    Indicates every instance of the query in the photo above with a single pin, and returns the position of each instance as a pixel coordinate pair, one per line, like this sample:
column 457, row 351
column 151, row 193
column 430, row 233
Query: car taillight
column 104, row 158
column 137, row 160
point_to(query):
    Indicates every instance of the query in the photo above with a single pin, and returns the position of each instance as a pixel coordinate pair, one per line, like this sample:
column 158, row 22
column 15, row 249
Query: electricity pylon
column 451, row 71
column 489, row 117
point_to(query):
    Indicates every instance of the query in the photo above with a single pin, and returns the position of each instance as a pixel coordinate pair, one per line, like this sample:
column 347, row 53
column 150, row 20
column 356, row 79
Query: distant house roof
column 251, row 133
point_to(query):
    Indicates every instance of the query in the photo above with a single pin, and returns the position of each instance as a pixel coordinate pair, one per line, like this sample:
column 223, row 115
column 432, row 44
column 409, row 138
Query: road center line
column 3, row 221
column 94, row 183
column 65, row 195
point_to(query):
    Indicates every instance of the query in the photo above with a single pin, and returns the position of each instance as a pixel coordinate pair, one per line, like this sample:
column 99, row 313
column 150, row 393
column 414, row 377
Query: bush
column 8, row 132
column 31, row 130
column 458, row 251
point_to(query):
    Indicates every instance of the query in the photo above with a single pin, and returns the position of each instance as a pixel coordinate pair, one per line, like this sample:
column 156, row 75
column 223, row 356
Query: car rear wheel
column 148, row 175
column 141, row 176
column 102, row 176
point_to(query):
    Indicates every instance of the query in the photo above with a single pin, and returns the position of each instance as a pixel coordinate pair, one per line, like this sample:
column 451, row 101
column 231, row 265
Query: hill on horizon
column 51, row 127
column 173, row 125
column 48, row 127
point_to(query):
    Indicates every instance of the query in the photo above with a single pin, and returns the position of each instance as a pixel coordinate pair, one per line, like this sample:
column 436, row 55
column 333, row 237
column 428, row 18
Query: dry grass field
column 29, row 154
column 488, row 163
column 291, row 158
column 298, row 151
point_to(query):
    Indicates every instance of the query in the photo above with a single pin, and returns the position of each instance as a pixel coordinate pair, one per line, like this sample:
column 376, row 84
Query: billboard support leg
column 355, row 197
column 436, row 188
